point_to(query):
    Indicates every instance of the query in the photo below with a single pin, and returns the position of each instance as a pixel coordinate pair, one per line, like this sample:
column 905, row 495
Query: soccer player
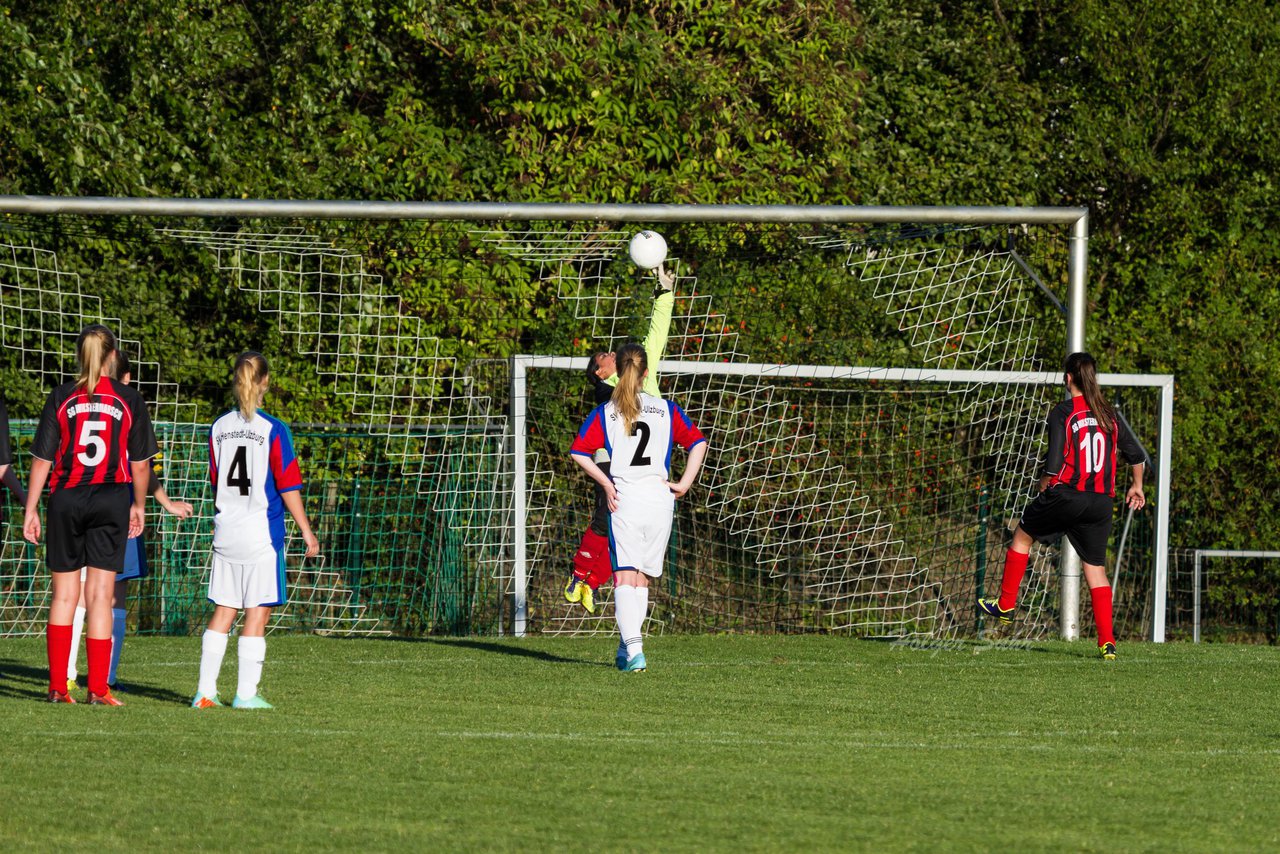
column 1077, row 490
column 135, row 558
column 591, row 566
column 93, row 446
column 255, row 479
column 639, row 430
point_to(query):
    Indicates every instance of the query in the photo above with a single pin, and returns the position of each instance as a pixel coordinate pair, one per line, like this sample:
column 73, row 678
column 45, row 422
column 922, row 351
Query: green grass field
column 728, row 743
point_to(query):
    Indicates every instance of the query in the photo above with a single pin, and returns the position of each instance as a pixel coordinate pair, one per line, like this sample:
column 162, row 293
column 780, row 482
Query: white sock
column 213, row 646
column 77, row 628
column 253, row 652
column 626, row 609
column 117, row 642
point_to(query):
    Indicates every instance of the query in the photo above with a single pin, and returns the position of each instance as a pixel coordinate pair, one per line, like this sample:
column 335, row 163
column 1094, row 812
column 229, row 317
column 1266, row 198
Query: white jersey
column 639, row 468
column 251, row 464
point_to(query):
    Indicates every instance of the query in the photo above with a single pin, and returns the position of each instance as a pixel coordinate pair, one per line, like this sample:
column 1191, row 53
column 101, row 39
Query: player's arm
column 293, row 503
column 141, row 471
column 1132, row 451
column 39, row 477
column 597, row 474
column 655, row 341
column 181, row 509
column 1056, row 453
column 11, row 482
column 691, row 468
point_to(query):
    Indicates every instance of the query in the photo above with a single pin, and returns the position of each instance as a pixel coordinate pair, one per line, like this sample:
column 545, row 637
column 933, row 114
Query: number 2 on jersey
column 642, row 430
column 238, row 471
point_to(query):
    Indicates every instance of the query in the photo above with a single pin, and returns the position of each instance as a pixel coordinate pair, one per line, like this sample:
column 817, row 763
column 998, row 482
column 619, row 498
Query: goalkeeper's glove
column 666, row 281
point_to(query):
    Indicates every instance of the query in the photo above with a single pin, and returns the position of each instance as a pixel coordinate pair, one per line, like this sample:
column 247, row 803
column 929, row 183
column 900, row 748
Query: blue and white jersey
column 251, row 465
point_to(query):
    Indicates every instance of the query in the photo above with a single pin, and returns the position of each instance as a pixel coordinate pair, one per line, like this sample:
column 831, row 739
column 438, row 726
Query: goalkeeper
column 591, row 563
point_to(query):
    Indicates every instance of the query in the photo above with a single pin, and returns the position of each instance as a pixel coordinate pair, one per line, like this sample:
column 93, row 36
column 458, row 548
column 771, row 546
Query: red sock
column 57, row 641
column 1015, row 566
column 98, row 651
column 1101, row 597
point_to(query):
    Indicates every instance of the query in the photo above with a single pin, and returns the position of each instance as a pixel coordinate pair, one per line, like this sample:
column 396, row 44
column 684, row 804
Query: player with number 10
column 1077, row 490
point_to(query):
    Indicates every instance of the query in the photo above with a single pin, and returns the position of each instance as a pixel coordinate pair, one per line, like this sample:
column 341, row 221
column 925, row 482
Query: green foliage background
column 1160, row 118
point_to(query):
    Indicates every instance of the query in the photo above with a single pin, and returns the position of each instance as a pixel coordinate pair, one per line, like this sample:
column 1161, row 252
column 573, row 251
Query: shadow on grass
column 504, row 649
column 24, row 682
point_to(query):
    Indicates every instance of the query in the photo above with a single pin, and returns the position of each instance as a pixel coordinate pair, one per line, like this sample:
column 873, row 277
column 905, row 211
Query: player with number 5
column 93, row 447
column 255, row 480
column 1077, row 490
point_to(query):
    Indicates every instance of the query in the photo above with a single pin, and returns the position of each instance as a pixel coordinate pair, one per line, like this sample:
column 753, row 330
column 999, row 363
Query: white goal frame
column 521, row 365
column 1076, row 218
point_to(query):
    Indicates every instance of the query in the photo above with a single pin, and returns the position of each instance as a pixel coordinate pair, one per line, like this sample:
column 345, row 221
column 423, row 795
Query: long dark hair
column 632, row 364
column 1084, row 373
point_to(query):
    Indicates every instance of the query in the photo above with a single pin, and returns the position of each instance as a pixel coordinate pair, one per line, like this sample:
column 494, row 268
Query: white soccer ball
column 648, row 250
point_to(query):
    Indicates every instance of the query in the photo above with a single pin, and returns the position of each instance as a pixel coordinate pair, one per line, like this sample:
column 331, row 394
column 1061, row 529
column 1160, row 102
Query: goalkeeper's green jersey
column 655, row 343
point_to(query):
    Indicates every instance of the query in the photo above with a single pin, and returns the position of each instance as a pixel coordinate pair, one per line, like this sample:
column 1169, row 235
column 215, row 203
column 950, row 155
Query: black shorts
column 88, row 526
column 1085, row 517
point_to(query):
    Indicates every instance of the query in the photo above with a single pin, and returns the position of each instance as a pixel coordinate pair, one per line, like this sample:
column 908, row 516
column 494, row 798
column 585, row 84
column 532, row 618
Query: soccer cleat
column 203, row 701
column 573, row 589
column 1107, row 651
column 254, row 702
column 103, row 699
column 61, row 697
column 991, row 607
column 634, row 664
column 620, row 660
column 588, row 597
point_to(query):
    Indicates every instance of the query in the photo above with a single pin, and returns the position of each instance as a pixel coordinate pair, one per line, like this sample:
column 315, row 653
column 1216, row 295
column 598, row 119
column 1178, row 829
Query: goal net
column 834, row 499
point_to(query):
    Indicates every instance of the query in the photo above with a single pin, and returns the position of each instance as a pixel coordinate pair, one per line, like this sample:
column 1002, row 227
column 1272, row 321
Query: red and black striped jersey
column 91, row 439
column 1083, row 455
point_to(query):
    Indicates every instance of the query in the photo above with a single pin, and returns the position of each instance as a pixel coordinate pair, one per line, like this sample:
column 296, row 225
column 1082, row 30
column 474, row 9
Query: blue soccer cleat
column 634, row 664
column 991, row 607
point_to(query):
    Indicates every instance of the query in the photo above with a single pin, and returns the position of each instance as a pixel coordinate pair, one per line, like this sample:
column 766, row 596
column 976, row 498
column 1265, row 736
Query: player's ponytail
column 249, row 383
column 93, row 349
column 633, row 364
column 1084, row 373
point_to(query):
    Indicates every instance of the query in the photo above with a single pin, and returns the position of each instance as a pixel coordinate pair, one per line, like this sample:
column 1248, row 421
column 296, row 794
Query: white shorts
column 639, row 531
column 248, row 585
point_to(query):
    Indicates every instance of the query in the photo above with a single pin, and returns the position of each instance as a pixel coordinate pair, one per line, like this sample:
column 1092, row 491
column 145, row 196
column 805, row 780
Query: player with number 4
column 1077, row 491
column 255, row 480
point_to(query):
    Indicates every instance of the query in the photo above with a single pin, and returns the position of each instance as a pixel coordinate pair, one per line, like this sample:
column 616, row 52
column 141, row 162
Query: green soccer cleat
column 1107, row 651
column 573, row 589
column 588, row 597
column 991, row 607
column 634, row 664
column 204, row 701
column 254, row 702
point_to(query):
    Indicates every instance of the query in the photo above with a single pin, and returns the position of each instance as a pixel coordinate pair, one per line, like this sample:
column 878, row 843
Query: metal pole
column 1195, row 600
column 519, row 491
column 1159, row 611
column 346, row 209
column 1077, row 307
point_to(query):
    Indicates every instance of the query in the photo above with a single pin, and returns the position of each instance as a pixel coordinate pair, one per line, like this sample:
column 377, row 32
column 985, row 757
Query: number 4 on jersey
column 238, row 471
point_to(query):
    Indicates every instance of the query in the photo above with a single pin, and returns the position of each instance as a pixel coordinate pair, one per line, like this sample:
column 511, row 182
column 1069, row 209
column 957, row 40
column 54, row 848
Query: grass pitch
column 730, row 743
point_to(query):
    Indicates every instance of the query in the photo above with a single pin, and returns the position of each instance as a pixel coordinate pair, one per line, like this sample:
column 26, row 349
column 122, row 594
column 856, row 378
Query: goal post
column 963, row 304
column 867, row 377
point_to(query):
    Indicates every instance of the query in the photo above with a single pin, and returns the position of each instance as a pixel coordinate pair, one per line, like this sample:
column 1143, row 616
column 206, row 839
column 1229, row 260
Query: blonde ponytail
column 633, row 364
column 249, row 382
column 93, row 350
